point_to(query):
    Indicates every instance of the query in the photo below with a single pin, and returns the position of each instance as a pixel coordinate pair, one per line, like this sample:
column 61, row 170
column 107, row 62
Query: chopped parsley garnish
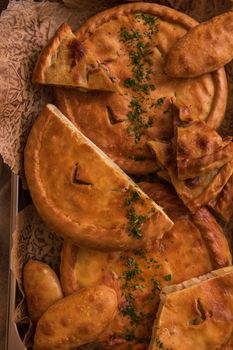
column 129, row 310
column 139, row 51
column 135, row 115
column 135, row 222
column 129, row 336
column 168, row 277
column 156, row 286
column 159, row 102
column 134, row 197
column 160, row 345
column 129, row 35
column 150, row 21
column 131, row 274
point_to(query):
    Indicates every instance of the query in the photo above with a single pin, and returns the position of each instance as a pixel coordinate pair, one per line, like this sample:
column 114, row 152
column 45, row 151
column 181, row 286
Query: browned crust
column 87, row 235
column 217, row 111
column 211, row 231
column 189, row 168
column 214, row 188
column 43, row 61
column 203, row 49
column 223, row 204
column 214, row 238
column 67, row 268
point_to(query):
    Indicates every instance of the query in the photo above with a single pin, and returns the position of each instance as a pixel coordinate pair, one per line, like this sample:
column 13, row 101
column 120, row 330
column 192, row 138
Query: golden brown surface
column 203, row 49
column 223, row 203
column 81, row 194
column 197, row 317
column 111, row 120
column 200, row 149
column 138, row 276
column 76, row 320
column 42, row 288
column 198, row 191
column 65, row 61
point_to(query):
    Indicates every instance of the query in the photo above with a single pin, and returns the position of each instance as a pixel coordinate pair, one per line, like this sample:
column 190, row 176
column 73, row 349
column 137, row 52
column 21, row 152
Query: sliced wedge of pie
column 198, row 191
column 200, row 149
column 196, row 314
column 66, row 62
column 223, row 204
column 82, row 194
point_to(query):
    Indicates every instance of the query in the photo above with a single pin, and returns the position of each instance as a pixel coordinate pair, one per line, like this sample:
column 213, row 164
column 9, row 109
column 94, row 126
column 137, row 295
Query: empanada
column 138, row 276
column 196, row 314
column 42, row 288
column 76, row 320
column 204, row 49
column 200, row 149
column 198, row 191
column 66, row 62
column 133, row 40
column 81, row 194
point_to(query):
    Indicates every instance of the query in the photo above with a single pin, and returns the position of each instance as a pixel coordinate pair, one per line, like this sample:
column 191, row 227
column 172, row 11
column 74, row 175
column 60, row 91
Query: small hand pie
column 196, row 314
column 76, row 320
column 204, row 48
column 137, row 276
column 200, row 149
column 66, row 62
column 198, row 191
column 82, row 194
column 42, row 288
column 223, row 204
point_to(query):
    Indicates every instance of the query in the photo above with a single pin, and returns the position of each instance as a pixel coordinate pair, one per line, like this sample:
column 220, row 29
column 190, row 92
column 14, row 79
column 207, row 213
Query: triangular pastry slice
column 223, row 204
column 196, row 314
column 82, row 194
column 66, row 62
column 195, row 192
column 200, row 149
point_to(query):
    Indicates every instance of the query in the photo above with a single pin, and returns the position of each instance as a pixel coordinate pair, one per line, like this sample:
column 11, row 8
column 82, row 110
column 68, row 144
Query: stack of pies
column 130, row 247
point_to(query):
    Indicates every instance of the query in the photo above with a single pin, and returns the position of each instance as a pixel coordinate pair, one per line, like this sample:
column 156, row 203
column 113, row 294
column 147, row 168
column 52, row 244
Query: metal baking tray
column 13, row 340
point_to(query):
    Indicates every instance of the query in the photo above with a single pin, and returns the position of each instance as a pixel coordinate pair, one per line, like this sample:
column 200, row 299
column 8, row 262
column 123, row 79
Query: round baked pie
column 194, row 246
column 132, row 41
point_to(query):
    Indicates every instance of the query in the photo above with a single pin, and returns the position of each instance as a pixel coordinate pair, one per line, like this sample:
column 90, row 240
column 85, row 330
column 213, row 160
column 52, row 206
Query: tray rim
column 13, row 340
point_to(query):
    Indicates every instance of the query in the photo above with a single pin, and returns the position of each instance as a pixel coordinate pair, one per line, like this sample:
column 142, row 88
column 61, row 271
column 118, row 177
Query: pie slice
column 198, row 191
column 200, row 149
column 137, row 276
column 196, row 314
column 223, row 204
column 82, row 194
column 66, row 62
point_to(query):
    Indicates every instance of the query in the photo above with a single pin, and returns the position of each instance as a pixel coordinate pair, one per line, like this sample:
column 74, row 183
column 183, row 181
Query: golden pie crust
column 197, row 314
column 203, row 49
column 76, row 320
column 81, row 194
column 223, row 203
column 195, row 192
column 199, row 150
column 65, row 61
column 42, row 288
column 103, row 116
column 201, row 245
